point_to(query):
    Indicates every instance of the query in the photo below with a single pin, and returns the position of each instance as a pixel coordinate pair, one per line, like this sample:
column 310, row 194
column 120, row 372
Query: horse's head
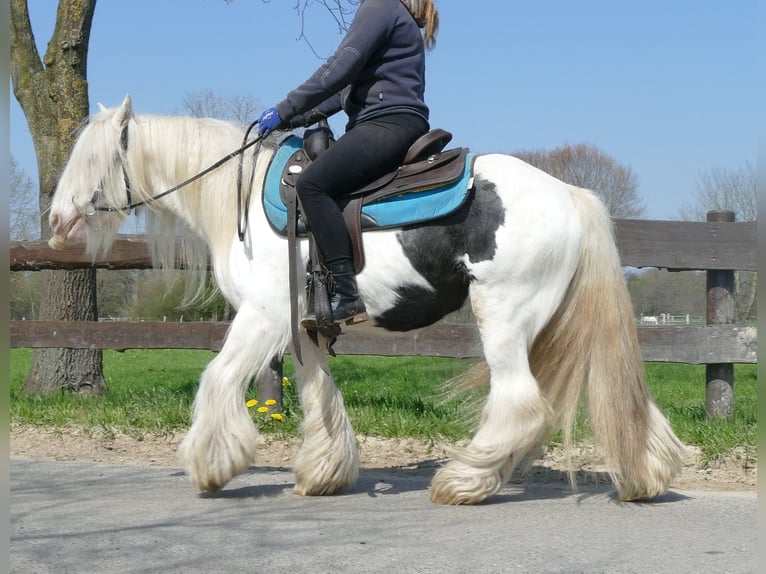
column 93, row 194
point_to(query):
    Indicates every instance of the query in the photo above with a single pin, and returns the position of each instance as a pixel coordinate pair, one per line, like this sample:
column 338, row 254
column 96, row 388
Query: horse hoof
column 307, row 485
column 322, row 472
column 318, row 489
column 460, row 484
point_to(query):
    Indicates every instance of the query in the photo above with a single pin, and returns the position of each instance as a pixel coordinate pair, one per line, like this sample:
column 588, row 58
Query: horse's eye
column 89, row 208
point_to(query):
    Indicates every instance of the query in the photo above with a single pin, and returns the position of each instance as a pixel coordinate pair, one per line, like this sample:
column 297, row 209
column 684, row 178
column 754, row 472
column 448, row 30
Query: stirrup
column 310, row 321
column 353, row 319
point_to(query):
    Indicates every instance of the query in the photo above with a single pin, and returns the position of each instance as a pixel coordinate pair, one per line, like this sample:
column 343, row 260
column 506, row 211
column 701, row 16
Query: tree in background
column 724, row 189
column 53, row 93
column 586, row 166
column 24, row 213
column 24, row 291
column 657, row 291
column 730, row 190
column 206, row 104
column 154, row 299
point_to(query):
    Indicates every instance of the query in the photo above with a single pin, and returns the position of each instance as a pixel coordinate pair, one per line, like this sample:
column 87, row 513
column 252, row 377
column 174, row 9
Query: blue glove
column 268, row 122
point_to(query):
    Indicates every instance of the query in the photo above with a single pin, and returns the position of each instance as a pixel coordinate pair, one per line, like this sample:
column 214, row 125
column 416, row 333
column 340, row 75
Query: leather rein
column 92, row 207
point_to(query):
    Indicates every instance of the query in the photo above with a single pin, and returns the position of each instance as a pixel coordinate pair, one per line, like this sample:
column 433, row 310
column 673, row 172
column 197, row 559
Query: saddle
column 425, row 167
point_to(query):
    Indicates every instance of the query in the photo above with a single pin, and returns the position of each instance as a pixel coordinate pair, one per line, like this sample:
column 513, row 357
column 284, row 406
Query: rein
column 92, row 208
column 242, row 221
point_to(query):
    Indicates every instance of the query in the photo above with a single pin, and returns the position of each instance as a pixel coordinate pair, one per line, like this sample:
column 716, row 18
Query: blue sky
column 667, row 88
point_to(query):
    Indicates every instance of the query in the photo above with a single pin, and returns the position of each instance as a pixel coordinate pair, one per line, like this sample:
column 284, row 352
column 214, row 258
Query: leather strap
column 352, row 214
column 293, row 249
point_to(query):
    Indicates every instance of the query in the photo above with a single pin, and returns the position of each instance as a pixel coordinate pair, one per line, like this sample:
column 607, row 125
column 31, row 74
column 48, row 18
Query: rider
column 377, row 76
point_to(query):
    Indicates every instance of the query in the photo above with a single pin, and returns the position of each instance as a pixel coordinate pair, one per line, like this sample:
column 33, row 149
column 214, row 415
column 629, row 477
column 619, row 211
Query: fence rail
column 699, row 344
column 718, row 247
column 675, row 245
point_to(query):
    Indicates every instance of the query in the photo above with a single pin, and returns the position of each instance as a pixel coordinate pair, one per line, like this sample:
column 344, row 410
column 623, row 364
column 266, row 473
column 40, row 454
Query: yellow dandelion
column 270, row 402
column 277, row 416
column 251, row 403
column 263, row 409
column 285, row 382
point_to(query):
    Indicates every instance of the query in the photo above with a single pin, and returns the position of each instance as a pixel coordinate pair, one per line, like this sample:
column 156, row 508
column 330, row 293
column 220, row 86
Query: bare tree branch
column 206, row 104
column 731, row 190
column 725, row 189
column 586, row 166
column 340, row 10
column 23, row 205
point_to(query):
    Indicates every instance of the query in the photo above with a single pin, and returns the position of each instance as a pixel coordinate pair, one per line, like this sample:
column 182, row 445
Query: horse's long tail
column 591, row 347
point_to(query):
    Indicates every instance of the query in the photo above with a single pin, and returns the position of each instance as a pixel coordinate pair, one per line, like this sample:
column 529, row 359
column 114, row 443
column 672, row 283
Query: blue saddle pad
column 395, row 211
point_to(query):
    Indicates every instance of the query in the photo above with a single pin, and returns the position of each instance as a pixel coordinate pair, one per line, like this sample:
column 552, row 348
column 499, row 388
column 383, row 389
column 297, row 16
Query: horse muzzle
column 65, row 230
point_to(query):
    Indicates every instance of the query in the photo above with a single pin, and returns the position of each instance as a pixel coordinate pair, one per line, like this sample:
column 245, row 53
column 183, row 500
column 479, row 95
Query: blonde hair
column 427, row 17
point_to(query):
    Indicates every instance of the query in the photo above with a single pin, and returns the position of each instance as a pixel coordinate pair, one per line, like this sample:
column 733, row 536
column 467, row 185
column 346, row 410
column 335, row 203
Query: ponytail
column 427, row 17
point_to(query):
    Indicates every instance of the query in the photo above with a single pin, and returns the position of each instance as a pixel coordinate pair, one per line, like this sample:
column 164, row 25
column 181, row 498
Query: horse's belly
column 412, row 278
column 417, row 307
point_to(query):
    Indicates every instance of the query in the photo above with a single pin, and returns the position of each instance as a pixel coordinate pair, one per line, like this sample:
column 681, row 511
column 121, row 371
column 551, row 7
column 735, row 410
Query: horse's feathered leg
column 564, row 332
column 515, row 418
column 328, row 459
column 221, row 442
column 514, row 294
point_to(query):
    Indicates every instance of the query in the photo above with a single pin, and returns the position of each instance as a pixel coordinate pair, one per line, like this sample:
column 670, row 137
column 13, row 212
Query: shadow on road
column 533, row 483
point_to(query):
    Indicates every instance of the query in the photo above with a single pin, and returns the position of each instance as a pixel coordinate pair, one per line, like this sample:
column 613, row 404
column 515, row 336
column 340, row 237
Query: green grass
column 152, row 392
column 680, row 393
column 402, row 396
column 148, row 391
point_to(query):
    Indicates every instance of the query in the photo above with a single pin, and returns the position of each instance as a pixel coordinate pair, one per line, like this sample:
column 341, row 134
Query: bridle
column 92, row 207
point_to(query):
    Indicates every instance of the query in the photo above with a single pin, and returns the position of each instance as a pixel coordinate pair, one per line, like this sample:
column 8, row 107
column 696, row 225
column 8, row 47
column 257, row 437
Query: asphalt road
column 103, row 519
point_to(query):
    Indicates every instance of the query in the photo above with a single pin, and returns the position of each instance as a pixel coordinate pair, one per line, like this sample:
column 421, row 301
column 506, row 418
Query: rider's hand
column 268, row 122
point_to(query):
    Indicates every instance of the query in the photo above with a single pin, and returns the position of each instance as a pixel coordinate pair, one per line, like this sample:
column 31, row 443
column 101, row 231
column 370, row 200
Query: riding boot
column 345, row 303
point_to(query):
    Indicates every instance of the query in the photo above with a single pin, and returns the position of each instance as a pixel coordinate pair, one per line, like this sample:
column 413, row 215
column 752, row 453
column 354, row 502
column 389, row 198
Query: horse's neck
column 175, row 150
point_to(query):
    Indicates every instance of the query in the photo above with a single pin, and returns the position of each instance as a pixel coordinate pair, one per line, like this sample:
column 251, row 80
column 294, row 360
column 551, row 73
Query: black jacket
column 378, row 69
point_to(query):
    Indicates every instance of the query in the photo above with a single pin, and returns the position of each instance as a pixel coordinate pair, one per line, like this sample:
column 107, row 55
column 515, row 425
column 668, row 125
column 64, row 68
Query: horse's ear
column 101, row 107
column 124, row 113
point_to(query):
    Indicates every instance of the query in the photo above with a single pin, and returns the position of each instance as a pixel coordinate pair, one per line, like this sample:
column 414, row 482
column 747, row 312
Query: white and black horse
column 536, row 256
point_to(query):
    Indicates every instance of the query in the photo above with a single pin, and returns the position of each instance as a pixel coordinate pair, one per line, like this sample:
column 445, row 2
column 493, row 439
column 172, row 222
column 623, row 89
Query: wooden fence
column 718, row 246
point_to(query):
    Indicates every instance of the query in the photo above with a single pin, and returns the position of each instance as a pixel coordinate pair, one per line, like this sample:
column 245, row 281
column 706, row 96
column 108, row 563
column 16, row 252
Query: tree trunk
column 69, row 369
column 53, row 93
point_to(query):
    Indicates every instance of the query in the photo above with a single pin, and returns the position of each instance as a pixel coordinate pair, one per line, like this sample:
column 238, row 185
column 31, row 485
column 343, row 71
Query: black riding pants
column 364, row 153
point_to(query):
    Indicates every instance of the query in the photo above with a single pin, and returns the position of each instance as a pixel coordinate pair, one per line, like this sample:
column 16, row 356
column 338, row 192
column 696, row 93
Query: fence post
column 719, row 377
column 269, row 384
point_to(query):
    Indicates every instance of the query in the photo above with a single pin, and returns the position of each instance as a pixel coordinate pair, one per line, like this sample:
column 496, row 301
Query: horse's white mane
column 190, row 226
